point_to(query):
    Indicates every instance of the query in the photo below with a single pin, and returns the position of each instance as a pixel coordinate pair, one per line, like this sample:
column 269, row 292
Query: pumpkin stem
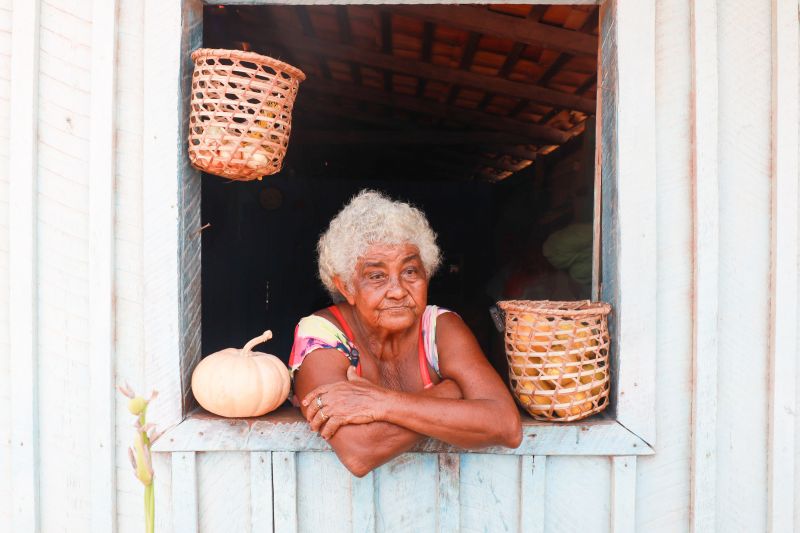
column 264, row 337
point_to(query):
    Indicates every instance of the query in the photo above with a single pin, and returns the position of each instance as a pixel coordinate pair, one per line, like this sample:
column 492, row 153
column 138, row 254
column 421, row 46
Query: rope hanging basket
column 241, row 113
column 558, row 357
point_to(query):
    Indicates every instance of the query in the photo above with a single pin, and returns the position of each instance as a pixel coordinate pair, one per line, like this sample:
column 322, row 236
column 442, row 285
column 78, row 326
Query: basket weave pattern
column 241, row 113
column 558, row 357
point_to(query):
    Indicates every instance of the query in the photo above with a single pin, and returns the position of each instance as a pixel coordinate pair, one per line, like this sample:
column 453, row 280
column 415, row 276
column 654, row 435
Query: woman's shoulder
column 433, row 312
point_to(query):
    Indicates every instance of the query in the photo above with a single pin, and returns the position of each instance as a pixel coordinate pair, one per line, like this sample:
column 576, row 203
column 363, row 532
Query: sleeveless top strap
column 334, row 309
column 423, row 361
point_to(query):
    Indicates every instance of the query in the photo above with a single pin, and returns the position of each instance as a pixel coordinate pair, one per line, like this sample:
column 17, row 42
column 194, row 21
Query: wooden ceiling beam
column 400, row 137
column 310, row 105
column 427, row 51
column 533, row 133
column 517, row 29
column 537, row 12
column 479, row 160
column 386, row 46
column 470, row 48
column 412, row 67
column 518, row 151
column 346, row 37
column 308, row 30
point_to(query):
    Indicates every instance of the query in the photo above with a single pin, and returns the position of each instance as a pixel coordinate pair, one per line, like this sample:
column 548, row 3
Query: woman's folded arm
column 364, row 446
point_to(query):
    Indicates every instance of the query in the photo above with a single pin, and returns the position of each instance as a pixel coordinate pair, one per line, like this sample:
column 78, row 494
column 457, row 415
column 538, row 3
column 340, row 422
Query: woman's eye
column 411, row 271
column 375, row 276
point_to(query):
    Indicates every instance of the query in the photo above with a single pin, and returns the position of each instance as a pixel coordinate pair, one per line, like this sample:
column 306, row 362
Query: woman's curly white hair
column 372, row 218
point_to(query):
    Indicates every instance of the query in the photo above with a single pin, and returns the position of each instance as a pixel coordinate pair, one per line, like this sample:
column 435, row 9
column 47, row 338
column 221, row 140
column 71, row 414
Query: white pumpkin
column 241, row 383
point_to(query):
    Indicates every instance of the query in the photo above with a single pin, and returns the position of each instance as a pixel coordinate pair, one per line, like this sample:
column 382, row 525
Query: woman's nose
column 396, row 289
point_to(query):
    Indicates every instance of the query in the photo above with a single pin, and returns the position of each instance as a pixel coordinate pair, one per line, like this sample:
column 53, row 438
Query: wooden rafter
column 399, row 137
column 534, row 133
column 346, row 37
column 309, row 32
column 479, row 160
column 555, row 67
column 537, row 12
column 470, row 48
column 518, row 151
column 386, row 46
column 427, row 50
column 504, row 26
column 426, row 70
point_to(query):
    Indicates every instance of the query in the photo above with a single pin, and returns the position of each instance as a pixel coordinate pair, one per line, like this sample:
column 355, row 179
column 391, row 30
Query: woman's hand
column 331, row 406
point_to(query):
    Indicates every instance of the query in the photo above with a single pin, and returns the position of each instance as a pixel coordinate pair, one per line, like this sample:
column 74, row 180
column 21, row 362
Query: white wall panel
column 489, row 492
column 578, row 494
column 744, row 262
column 5, row 419
column 663, row 479
column 224, row 502
column 406, row 494
column 323, row 493
column 128, row 250
column 63, row 155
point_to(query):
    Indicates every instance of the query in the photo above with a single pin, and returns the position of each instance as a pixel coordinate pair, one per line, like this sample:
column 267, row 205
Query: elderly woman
column 381, row 369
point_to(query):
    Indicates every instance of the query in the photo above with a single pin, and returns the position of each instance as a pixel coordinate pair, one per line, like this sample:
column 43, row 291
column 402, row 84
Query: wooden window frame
column 626, row 247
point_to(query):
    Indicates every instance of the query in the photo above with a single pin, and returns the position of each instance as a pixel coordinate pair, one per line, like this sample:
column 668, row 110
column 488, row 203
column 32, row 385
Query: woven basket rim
column 555, row 307
column 249, row 56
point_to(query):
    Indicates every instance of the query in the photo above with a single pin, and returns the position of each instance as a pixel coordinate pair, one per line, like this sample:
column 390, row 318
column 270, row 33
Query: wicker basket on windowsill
column 241, row 113
column 558, row 357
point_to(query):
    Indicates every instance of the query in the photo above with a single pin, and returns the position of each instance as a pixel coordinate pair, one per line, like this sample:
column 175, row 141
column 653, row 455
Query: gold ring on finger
column 323, row 415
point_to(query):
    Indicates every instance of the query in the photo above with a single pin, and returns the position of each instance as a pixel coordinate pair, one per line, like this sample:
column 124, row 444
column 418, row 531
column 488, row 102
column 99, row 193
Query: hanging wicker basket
column 558, row 357
column 241, row 114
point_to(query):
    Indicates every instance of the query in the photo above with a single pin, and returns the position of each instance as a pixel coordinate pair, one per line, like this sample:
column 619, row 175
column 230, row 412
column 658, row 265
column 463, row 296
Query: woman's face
column 389, row 287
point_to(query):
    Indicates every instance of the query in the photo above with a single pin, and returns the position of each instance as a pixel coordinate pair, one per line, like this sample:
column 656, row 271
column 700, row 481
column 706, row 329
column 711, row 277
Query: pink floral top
column 315, row 332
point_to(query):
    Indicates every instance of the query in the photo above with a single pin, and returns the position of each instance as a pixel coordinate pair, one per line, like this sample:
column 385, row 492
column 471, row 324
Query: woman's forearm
column 463, row 423
column 371, row 445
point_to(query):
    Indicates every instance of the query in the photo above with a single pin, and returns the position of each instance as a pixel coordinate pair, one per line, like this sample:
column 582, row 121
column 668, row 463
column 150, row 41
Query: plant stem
column 149, row 509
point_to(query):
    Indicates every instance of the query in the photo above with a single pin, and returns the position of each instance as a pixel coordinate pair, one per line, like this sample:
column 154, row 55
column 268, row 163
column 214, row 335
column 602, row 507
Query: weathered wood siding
column 5, row 308
column 726, row 386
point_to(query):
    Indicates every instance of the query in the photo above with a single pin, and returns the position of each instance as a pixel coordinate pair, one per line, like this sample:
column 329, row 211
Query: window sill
column 286, row 430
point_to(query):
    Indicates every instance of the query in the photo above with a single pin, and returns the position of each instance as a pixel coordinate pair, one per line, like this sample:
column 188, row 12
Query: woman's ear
column 343, row 290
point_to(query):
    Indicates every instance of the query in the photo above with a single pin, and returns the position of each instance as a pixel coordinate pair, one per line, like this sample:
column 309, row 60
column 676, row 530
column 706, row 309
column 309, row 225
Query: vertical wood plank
column 131, row 515
column 261, row 517
column 449, row 468
column 489, row 494
column 223, row 491
column 705, row 335
column 324, row 493
column 532, row 493
column 171, row 280
column 623, row 494
column 284, row 489
column 664, row 480
column 362, row 494
column 783, row 342
column 578, row 479
column 406, row 493
column 22, row 266
column 101, row 265
column 184, row 492
column 636, row 206
column 744, row 68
